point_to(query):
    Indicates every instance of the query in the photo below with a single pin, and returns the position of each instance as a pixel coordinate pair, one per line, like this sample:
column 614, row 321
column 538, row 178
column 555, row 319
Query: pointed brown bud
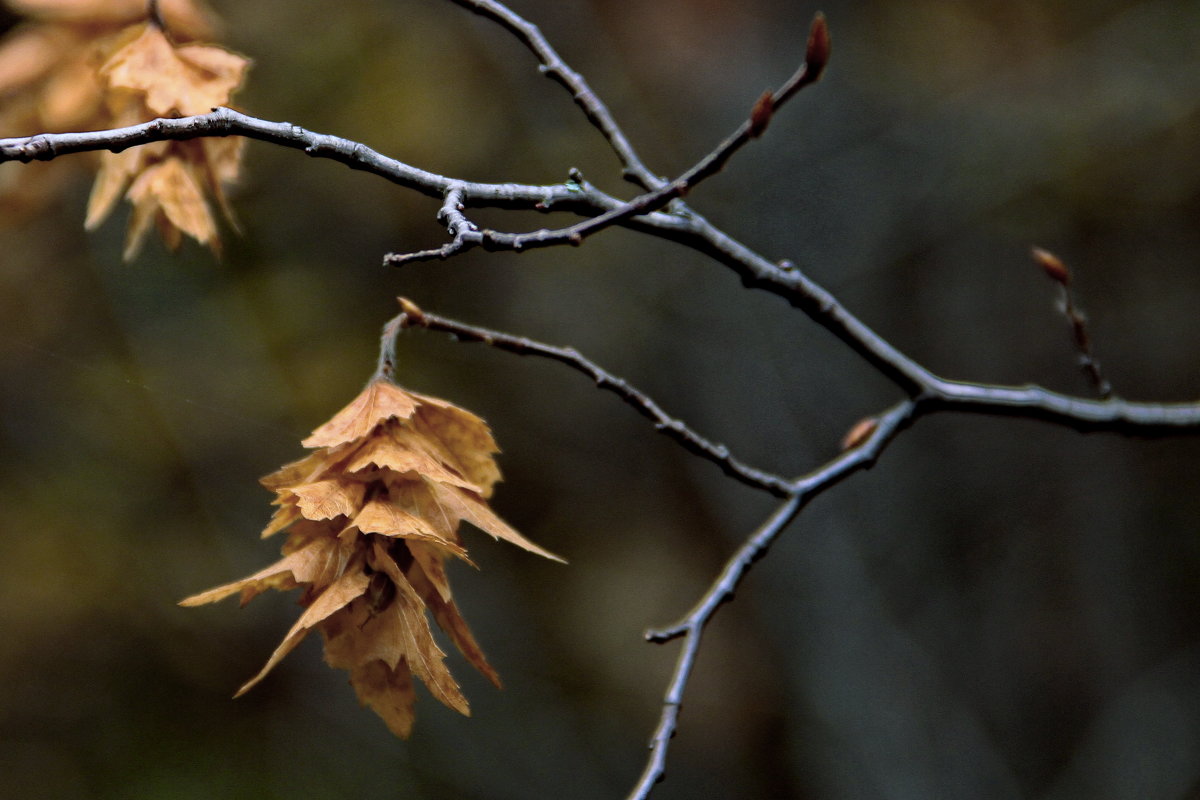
column 412, row 309
column 760, row 115
column 859, row 434
column 1052, row 265
column 819, row 47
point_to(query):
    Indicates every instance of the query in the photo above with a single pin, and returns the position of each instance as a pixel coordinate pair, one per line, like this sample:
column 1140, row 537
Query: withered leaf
column 29, row 54
column 372, row 517
column 168, row 191
column 450, row 620
column 380, row 401
column 318, row 563
column 431, row 563
column 465, row 436
column 410, row 626
column 284, row 516
column 192, row 79
column 187, row 18
column 453, row 503
column 402, row 449
column 307, row 469
column 388, row 692
column 340, row 594
column 329, row 498
column 116, row 172
column 390, row 519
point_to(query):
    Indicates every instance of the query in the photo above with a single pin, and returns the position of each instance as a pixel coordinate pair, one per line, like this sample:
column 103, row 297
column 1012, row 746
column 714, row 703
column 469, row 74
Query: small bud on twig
column 760, row 115
column 1052, row 265
column 859, row 434
column 1057, row 271
column 819, row 47
column 410, row 308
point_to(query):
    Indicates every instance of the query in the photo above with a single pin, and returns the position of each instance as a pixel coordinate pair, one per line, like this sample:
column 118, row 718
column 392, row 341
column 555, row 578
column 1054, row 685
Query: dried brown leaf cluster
column 372, row 518
column 89, row 64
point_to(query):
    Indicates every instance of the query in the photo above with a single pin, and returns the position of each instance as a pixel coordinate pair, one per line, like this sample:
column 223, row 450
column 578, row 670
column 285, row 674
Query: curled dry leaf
column 372, row 517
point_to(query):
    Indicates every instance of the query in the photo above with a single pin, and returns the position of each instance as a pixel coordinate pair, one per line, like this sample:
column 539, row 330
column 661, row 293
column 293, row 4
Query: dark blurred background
column 1000, row 609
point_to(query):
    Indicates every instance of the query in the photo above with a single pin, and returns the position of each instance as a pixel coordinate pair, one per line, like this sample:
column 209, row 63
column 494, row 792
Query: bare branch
column 464, row 235
column 552, row 66
column 1033, row 402
column 576, row 195
column 1057, row 271
column 227, row 122
column 691, row 627
column 659, row 197
column 673, row 428
column 693, row 630
column 936, row 395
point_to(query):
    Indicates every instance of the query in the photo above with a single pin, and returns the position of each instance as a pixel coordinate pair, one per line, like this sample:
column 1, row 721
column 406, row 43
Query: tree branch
column 552, row 66
column 675, row 429
column 227, row 122
column 463, row 233
column 1057, row 271
column 691, row 627
column 936, row 395
column 808, row 73
column 1083, row 414
column 925, row 393
column 576, row 195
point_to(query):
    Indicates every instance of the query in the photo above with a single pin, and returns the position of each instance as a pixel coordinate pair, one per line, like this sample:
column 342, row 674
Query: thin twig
column 386, row 366
column 693, row 631
column 936, row 395
column 553, row 66
column 691, row 627
column 575, row 195
column 670, row 426
column 228, row 122
column 1057, row 271
column 1114, row 415
column 807, row 74
column 1083, row 344
column 463, row 233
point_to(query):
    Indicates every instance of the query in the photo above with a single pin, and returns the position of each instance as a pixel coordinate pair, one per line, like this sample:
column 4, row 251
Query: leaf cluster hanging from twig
column 372, row 517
